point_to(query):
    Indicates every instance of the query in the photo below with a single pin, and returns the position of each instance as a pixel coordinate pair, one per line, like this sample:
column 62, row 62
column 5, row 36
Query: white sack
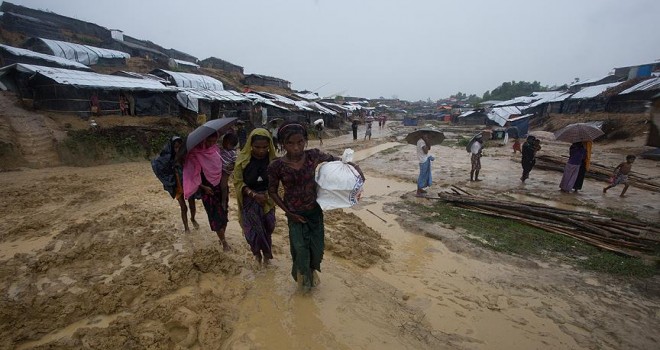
column 339, row 184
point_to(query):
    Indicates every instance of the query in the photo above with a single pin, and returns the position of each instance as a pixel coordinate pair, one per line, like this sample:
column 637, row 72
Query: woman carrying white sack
column 339, row 183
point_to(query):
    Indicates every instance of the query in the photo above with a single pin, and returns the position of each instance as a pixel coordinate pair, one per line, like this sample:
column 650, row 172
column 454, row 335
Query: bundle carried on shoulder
column 339, row 184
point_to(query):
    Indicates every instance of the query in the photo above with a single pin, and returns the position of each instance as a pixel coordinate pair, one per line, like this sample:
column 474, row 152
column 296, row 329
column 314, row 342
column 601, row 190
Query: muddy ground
column 97, row 258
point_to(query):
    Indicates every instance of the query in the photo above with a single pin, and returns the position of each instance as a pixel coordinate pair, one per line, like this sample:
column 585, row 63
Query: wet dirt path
column 103, row 262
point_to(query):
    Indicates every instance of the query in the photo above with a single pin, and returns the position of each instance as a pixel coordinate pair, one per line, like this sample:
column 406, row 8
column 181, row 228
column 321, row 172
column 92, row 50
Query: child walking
column 620, row 175
column 296, row 171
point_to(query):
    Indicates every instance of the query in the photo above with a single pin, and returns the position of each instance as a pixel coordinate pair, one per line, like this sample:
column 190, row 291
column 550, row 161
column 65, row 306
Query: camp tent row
column 160, row 92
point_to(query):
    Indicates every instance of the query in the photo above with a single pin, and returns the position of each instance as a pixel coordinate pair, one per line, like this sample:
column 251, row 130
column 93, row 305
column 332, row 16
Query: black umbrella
column 207, row 129
column 435, row 136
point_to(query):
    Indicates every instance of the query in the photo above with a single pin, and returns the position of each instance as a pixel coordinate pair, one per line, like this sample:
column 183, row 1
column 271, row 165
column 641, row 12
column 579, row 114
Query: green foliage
column 92, row 147
column 509, row 90
column 514, row 237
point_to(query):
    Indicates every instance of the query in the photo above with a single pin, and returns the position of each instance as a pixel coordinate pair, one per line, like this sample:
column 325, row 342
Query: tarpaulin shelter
column 85, row 54
column 65, row 90
column 189, row 80
column 10, row 55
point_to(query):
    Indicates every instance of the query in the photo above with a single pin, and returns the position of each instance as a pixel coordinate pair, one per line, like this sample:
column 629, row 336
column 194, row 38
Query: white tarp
column 58, row 60
column 649, row 84
column 189, row 98
column 195, row 81
column 592, row 91
column 500, row 115
column 89, row 79
column 84, row 54
column 176, row 63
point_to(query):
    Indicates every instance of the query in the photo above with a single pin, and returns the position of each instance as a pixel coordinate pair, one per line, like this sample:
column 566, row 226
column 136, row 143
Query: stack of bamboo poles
column 628, row 237
column 596, row 171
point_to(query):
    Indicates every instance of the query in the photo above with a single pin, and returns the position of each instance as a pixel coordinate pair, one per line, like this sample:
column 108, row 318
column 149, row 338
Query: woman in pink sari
column 203, row 169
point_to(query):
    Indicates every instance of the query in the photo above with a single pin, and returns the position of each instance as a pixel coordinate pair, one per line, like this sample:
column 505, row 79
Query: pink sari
column 200, row 160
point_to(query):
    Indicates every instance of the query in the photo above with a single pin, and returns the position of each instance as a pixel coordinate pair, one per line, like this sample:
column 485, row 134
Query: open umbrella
column 318, row 121
column 578, row 132
column 435, row 136
column 207, row 129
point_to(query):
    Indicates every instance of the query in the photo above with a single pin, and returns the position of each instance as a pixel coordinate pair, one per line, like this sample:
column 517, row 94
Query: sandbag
column 339, row 183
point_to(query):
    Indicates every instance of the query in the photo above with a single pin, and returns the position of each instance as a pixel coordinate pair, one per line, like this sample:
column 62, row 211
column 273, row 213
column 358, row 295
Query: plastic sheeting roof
column 561, row 97
column 646, row 85
column 500, row 115
column 525, row 100
column 58, row 60
column 189, row 98
column 185, row 63
column 592, row 91
column 302, row 105
column 84, row 54
column 89, row 79
column 308, row 95
column 195, row 81
column 545, row 97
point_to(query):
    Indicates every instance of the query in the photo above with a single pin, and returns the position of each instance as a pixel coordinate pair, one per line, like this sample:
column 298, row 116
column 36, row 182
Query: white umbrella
column 319, row 121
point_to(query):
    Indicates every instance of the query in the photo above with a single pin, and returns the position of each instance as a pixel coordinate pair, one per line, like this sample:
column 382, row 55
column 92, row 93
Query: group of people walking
column 204, row 171
column 572, row 179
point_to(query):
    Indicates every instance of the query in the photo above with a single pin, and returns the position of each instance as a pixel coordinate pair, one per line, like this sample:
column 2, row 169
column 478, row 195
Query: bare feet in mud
column 195, row 224
column 225, row 246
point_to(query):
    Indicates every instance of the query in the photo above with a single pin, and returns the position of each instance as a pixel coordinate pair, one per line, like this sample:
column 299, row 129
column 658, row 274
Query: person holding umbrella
column 576, row 156
column 202, row 169
column 423, row 139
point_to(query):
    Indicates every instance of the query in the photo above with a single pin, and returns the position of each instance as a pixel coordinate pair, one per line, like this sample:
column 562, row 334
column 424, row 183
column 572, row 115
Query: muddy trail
column 97, row 258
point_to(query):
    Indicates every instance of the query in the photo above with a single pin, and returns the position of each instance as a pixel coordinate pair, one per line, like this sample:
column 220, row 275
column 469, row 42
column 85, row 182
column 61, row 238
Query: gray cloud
column 413, row 49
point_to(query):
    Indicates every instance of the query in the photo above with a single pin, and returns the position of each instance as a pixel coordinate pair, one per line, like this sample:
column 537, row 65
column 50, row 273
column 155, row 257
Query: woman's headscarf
column 241, row 163
column 201, row 159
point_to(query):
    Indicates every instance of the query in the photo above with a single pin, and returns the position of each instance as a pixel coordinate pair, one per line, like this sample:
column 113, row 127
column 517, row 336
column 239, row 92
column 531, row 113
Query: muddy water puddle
column 98, row 321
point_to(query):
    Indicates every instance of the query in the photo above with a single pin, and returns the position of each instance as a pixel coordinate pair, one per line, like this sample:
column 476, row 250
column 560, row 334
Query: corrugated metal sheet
column 84, row 54
column 308, row 96
column 90, row 79
column 545, row 97
column 465, row 114
column 646, row 85
column 500, row 115
column 195, row 81
column 522, row 100
column 561, row 97
column 592, row 91
column 58, row 60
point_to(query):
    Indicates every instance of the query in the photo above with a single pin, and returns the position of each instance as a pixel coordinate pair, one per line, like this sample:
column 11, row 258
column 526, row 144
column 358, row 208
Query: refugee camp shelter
column 635, row 98
column 264, row 80
column 85, row 54
column 10, row 55
column 473, row 117
column 637, row 71
column 589, row 99
column 65, row 90
column 174, row 63
column 189, row 80
column 217, row 63
column 501, row 115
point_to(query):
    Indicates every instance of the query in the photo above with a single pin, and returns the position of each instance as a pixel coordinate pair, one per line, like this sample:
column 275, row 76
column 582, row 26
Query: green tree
column 509, row 90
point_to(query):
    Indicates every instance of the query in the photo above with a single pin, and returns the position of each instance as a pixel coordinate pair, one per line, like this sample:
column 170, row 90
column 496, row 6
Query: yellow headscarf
column 242, row 161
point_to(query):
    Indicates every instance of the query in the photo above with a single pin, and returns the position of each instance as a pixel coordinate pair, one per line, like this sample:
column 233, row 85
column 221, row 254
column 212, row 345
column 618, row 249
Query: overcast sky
column 411, row 49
